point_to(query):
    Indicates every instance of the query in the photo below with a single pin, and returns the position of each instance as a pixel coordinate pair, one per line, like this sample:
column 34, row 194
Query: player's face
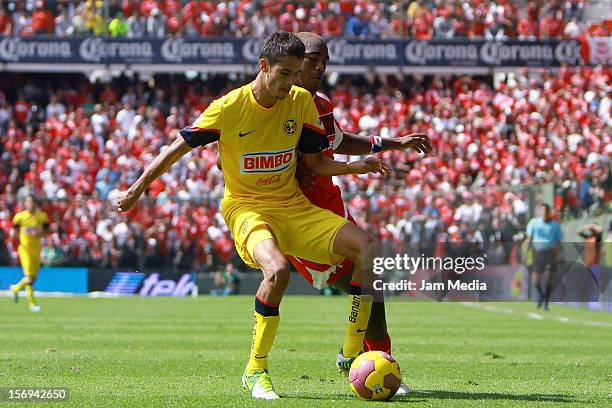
column 282, row 76
column 29, row 204
column 313, row 69
column 544, row 212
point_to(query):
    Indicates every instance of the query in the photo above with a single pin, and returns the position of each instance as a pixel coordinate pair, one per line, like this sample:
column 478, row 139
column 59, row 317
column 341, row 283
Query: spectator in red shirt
column 174, row 24
column 6, row 22
column 192, row 10
column 527, row 28
column 288, row 21
column 332, row 26
column 42, row 19
column 22, row 109
column 552, row 25
column 146, row 6
column 421, row 29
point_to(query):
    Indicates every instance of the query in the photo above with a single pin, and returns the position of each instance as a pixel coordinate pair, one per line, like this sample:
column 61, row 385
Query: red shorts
column 320, row 275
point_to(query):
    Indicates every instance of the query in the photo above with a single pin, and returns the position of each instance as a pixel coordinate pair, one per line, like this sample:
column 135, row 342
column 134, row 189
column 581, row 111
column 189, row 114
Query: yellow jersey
column 30, row 227
column 257, row 145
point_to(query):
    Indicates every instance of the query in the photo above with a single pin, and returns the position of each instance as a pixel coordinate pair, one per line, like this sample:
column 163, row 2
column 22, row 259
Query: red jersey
column 325, row 192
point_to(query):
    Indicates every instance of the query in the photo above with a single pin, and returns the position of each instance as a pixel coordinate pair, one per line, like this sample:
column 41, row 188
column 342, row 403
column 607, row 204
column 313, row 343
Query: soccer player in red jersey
column 321, row 191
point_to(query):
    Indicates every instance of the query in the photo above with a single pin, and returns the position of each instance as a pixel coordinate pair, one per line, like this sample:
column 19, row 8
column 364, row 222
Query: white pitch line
column 592, row 323
column 498, row 309
column 535, row 316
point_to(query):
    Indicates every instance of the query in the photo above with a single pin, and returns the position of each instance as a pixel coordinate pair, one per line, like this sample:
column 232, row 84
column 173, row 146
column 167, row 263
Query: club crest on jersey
column 290, row 126
column 266, row 162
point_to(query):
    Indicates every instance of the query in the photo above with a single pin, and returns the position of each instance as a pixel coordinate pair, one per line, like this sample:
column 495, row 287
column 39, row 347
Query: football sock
column 30, row 292
column 359, row 310
column 264, row 331
column 20, row 285
column 378, row 345
column 547, row 293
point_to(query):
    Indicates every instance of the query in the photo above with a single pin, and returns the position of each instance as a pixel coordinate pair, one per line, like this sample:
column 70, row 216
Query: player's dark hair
column 312, row 42
column 279, row 45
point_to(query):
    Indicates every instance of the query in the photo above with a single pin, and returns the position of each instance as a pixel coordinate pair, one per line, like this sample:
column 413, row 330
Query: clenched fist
column 126, row 199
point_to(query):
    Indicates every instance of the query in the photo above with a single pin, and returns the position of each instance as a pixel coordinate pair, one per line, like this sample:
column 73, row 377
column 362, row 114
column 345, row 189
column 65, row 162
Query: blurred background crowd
column 421, row 19
column 75, row 145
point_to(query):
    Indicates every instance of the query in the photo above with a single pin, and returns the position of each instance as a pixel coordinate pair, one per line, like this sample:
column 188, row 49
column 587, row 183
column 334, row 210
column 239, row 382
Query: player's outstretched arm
column 324, row 166
column 354, row 144
column 126, row 199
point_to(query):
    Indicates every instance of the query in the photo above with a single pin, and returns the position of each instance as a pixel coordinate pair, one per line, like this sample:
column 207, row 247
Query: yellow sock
column 20, row 285
column 264, row 332
column 359, row 310
column 30, row 295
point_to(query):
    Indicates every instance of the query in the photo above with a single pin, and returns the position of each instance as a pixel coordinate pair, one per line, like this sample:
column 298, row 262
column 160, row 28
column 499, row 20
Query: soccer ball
column 374, row 376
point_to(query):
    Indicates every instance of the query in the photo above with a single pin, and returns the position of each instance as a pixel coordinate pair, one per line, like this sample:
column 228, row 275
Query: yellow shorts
column 300, row 229
column 30, row 261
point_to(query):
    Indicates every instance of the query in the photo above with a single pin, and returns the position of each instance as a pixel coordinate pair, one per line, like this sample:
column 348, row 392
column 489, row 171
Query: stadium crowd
column 75, row 145
column 421, row 19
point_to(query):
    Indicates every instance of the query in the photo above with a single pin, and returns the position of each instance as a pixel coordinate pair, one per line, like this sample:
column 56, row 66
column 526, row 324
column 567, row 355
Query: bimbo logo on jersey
column 266, row 162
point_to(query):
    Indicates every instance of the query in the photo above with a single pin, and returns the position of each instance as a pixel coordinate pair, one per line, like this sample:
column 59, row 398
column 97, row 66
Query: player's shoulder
column 298, row 93
column 323, row 102
column 233, row 96
column 18, row 216
column 320, row 96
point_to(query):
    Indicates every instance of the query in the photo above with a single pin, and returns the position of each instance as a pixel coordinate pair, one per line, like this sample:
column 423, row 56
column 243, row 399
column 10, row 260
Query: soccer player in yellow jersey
column 258, row 127
column 32, row 223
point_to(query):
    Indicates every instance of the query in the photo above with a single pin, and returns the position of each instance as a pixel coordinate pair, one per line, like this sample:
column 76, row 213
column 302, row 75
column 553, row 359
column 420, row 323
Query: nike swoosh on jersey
column 240, row 134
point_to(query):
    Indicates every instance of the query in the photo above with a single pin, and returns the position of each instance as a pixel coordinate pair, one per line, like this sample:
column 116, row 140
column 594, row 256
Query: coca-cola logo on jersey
column 265, row 181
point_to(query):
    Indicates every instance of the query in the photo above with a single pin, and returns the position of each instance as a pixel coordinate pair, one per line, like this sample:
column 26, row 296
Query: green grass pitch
column 146, row 352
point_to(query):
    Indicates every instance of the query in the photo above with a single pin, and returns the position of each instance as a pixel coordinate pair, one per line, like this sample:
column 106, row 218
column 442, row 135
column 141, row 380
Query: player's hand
column 420, row 142
column 126, row 199
column 370, row 165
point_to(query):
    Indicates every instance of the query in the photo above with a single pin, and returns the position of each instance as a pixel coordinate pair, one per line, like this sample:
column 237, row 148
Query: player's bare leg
column 275, row 268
